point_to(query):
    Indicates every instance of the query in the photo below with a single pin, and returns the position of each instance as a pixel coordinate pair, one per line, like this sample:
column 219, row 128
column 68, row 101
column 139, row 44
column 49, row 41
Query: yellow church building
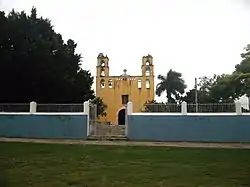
column 116, row 91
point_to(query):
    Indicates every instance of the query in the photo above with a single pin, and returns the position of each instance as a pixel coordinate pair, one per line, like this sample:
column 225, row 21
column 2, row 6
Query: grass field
column 48, row 165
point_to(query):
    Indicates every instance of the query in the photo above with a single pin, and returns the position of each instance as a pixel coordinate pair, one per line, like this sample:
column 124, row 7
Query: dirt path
column 130, row 143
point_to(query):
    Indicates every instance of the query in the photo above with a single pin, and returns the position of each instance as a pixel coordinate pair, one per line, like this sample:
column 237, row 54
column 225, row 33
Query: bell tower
column 102, row 73
column 147, row 69
column 102, row 68
column 147, row 66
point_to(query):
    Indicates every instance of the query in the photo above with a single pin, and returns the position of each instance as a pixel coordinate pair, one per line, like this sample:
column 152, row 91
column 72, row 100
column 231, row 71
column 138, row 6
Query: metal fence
column 211, row 108
column 60, row 107
column 152, row 107
column 79, row 107
column 192, row 108
column 93, row 112
column 162, row 107
column 14, row 107
column 25, row 107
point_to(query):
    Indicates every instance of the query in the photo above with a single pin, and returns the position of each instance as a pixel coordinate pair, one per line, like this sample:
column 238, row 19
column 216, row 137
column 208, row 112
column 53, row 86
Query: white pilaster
column 184, row 108
column 33, row 107
column 238, row 107
column 86, row 111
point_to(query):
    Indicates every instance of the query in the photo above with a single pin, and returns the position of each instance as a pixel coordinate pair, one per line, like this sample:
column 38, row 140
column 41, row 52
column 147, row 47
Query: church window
column 139, row 84
column 102, row 83
column 110, row 83
column 147, row 84
column 102, row 63
column 147, row 70
column 102, row 73
column 124, row 99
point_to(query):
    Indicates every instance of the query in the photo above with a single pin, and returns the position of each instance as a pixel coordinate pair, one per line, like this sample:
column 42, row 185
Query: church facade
column 116, row 91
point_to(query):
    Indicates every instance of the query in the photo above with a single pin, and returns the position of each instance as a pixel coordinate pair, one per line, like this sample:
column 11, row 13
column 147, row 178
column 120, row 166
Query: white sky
column 194, row 37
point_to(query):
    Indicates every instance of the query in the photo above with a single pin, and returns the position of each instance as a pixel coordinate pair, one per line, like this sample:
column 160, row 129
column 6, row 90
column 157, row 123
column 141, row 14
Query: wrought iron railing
column 192, row 108
column 14, row 107
column 60, row 107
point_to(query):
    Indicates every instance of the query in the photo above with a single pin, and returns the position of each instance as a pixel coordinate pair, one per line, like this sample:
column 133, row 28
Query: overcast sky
column 194, row 37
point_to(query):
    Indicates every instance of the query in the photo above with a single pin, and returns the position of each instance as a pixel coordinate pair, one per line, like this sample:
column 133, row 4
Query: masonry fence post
column 238, row 108
column 184, row 108
column 86, row 111
column 129, row 112
column 33, row 107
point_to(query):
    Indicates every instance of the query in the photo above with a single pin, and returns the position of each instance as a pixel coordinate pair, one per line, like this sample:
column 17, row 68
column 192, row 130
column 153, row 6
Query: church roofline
column 120, row 76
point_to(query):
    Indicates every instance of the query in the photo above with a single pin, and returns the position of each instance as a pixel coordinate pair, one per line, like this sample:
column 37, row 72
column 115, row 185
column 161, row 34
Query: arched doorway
column 121, row 117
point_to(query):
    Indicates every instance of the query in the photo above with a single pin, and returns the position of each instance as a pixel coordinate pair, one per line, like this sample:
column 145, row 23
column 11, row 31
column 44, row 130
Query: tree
column 223, row 88
column 244, row 66
column 226, row 89
column 37, row 65
column 101, row 106
column 172, row 84
column 243, row 71
column 203, row 90
column 230, row 87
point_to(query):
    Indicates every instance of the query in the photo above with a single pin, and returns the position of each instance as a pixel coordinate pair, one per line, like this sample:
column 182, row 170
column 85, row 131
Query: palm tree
column 173, row 84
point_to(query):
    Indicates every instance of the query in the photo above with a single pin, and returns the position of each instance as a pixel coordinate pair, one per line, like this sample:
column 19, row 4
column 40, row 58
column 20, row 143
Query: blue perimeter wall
column 214, row 128
column 43, row 126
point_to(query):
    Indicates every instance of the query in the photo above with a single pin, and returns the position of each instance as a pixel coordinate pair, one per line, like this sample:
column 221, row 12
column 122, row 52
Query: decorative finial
column 125, row 71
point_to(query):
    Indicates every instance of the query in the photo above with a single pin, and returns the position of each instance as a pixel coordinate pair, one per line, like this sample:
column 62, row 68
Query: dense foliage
column 37, row 65
column 225, row 88
column 172, row 84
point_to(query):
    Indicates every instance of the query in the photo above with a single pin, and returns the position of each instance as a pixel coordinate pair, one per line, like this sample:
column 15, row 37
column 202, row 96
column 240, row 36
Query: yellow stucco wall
column 123, row 85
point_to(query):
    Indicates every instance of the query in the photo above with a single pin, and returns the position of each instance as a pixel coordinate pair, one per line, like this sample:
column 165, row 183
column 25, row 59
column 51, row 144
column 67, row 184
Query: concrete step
column 110, row 138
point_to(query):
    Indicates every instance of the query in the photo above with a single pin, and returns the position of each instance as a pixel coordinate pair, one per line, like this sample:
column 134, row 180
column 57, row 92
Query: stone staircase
column 100, row 131
column 107, row 138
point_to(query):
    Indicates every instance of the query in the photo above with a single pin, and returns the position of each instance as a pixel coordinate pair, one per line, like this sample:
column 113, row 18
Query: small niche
column 102, row 83
column 110, row 83
column 139, row 84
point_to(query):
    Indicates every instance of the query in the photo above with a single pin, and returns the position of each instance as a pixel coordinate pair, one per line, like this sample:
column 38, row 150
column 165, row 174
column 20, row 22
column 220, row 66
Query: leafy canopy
column 37, row 65
column 173, row 84
column 224, row 88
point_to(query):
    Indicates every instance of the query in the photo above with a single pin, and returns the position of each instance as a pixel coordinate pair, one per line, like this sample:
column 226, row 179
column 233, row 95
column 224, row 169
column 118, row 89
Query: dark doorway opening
column 121, row 117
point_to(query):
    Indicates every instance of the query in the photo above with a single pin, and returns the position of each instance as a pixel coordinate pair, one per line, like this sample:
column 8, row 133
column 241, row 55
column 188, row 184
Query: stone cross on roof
column 125, row 71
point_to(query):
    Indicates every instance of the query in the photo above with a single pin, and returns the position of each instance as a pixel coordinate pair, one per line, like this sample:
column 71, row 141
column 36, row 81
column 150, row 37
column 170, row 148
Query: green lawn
column 48, row 165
